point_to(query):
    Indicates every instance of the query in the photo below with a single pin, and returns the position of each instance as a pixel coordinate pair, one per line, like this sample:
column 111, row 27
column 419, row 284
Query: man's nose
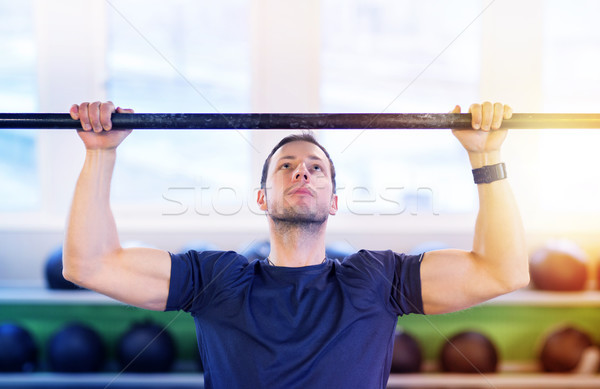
column 301, row 173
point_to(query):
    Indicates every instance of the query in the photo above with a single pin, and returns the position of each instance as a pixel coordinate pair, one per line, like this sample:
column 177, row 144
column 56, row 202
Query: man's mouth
column 301, row 191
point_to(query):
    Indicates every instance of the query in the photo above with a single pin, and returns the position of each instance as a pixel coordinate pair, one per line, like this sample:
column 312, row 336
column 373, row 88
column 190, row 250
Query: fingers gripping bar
column 265, row 121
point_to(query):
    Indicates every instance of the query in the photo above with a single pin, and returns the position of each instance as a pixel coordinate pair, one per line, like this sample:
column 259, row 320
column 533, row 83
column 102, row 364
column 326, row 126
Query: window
column 570, row 180
column 405, row 57
column 182, row 57
column 18, row 149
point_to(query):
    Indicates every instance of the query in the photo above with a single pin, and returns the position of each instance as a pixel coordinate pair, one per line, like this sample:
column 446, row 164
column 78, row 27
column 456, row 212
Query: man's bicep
column 136, row 276
column 454, row 279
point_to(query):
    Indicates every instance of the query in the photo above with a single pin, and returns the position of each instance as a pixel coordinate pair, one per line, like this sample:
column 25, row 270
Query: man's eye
column 285, row 166
column 317, row 167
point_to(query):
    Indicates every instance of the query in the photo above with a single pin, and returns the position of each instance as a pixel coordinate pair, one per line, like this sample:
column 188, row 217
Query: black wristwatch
column 489, row 173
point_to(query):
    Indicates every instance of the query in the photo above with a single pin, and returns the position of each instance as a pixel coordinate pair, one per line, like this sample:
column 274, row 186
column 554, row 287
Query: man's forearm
column 499, row 234
column 91, row 230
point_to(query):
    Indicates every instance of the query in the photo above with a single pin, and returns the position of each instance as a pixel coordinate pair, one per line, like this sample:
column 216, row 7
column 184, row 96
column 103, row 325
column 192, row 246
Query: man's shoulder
column 368, row 261
column 212, row 259
column 367, row 256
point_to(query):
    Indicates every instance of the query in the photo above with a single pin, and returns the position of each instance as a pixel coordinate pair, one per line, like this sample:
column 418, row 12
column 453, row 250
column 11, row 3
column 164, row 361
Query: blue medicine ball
column 257, row 250
column 146, row 348
column 76, row 348
column 339, row 250
column 54, row 269
column 198, row 245
column 18, row 351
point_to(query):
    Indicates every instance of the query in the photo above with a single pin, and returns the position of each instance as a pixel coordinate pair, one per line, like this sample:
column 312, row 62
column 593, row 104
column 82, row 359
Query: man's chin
column 298, row 218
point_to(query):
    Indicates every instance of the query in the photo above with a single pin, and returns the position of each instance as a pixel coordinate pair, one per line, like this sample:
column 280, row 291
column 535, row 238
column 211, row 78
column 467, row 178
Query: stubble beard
column 298, row 222
column 290, row 219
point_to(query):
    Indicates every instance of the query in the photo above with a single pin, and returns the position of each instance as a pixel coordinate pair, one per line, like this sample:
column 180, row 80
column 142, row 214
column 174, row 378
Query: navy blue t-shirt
column 323, row 326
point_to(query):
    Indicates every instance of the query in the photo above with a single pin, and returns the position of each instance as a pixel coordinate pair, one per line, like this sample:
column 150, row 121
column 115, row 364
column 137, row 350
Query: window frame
column 61, row 153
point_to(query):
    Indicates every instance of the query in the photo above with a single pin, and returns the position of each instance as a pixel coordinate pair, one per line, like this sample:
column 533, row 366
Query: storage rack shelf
column 396, row 381
column 521, row 301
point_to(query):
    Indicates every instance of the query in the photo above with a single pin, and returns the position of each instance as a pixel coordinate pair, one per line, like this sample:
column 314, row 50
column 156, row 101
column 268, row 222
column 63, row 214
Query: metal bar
column 205, row 121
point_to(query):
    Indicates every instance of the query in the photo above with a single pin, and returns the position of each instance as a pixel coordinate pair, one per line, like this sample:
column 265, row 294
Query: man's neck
column 297, row 245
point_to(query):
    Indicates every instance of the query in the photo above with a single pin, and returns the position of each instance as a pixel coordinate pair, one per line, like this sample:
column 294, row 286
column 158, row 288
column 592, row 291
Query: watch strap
column 489, row 173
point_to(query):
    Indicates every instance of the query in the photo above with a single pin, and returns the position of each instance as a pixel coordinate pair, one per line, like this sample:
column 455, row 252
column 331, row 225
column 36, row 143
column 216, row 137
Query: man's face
column 298, row 187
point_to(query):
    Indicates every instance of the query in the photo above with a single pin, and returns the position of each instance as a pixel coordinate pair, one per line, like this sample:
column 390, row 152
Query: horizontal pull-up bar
column 286, row 121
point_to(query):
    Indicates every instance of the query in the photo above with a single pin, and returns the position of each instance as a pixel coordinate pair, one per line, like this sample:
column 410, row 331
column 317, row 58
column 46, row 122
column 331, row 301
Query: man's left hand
column 486, row 121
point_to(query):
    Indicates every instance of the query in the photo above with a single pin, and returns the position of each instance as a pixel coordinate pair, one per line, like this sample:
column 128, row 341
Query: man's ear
column 333, row 207
column 261, row 199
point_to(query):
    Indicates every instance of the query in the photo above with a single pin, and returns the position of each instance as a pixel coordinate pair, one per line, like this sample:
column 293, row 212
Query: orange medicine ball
column 563, row 349
column 559, row 266
column 469, row 352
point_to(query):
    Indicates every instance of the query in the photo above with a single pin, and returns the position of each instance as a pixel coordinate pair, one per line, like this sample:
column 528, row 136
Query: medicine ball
column 146, row 348
column 18, row 351
column 76, row 348
column 469, row 352
column 54, row 269
column 407, row 356
column 339, row 250
column 198, row 245
column 560, row 266
column 257, row 250
column 562, row 349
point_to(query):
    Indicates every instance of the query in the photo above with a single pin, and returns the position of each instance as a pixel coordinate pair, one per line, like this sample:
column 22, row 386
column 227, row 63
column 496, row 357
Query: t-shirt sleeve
column 406, row 296
column 196, row 275
column 396, row 278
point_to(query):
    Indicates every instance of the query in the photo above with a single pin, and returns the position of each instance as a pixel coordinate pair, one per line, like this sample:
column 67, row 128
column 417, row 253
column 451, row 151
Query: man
column 296, row 319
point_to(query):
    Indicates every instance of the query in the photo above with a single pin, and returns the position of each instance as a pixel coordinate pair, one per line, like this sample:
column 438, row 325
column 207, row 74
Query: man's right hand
column 96, row 125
